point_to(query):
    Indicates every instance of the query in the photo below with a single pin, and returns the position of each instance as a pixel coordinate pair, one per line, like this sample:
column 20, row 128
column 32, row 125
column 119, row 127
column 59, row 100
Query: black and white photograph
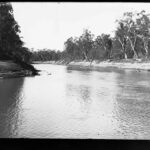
column 72, row 70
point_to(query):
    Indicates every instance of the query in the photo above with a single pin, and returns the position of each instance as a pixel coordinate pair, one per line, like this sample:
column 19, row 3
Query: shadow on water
column 10, row 95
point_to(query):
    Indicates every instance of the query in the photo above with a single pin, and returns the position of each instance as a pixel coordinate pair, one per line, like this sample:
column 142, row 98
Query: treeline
column 131, row 40
column 46, row 55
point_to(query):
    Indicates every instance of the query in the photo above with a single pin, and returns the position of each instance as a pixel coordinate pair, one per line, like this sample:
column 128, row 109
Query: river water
column 72, row 102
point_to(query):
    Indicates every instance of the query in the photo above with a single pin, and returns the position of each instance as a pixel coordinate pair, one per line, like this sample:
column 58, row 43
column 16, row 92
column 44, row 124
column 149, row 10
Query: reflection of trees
column 132, row 105
column 79, row 68
column 82, row 94
column 9, row 105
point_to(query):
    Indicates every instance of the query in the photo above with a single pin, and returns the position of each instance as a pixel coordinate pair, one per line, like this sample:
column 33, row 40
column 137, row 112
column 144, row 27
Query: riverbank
column 9, row 69
column 124, row 64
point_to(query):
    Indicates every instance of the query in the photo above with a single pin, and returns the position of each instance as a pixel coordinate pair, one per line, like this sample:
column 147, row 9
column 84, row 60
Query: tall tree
column 11, row 45
column 107, row 44
column 129, row 24
column 10, row 40
column 70, row 47
column 85, row 43
column 121, row 36
column 143, row 26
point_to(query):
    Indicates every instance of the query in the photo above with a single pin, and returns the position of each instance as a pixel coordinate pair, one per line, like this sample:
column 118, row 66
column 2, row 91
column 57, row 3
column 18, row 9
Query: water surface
column 76, row 103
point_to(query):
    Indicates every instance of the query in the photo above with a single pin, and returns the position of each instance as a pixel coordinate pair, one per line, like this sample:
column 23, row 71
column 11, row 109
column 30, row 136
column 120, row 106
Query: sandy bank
column 128, row 64
column 125, row 65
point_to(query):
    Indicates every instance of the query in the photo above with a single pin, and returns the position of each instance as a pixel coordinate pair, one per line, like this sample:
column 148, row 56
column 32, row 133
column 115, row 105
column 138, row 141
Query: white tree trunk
column 85, row 56
column 123, row 49
column 133, row 47
column 145, row 47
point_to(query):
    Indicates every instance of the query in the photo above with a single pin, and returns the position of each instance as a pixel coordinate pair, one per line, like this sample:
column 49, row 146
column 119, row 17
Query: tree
column 129, row 24
column 121, row 36
column 98, row 51
column 143, row 25
column 10, row 40
column 11, row 45
column 85, row 43
column 70, row 47
column 107, row 44
column 98, row 42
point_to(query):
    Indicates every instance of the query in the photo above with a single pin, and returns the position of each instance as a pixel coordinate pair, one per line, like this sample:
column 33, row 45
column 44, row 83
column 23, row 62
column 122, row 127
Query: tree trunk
column 110, row 52
column 146, row 48
column 133, row 48
column 135, row 55
column 123, row 49
column 146, row 51
column 91, row 61
column 125, row 56
column 85, row 56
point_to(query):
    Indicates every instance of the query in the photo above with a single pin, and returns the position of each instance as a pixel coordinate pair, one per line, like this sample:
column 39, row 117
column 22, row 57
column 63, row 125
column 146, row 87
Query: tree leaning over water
column 9, row 29
column 11, row 45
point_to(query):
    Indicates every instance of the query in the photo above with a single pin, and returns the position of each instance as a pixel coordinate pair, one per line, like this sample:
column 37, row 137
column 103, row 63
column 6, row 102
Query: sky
column 50, row 24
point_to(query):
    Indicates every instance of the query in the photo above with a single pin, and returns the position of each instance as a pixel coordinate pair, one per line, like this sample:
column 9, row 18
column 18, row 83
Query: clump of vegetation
column 11, row 45
column 46, row 55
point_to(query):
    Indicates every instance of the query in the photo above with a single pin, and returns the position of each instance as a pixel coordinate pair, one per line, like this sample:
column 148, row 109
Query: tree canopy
column 11, row 44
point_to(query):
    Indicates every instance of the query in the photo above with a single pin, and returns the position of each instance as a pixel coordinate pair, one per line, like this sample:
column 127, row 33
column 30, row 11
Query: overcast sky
column 49, row 25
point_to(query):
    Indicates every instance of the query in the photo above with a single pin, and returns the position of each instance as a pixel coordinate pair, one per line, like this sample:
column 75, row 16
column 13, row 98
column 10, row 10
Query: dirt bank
column 9, row 69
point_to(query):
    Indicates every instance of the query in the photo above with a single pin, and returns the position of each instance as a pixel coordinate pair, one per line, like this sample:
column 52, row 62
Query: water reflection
column 10, row 90
column 132, row 105
column 81, row 94
column 92, row 97
column 76, row 103
column 87, row 69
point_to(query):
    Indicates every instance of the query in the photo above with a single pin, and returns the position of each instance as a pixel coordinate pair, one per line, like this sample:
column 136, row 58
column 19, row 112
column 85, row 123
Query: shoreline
column 9, row 69
column 14, row 74
column 125, row 64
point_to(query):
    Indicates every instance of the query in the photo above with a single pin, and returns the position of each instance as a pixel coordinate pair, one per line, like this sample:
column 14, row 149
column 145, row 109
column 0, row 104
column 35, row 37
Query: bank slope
column 9, row 69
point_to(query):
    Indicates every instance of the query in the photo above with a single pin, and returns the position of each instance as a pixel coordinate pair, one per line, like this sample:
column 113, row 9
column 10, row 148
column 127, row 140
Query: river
column 72, row 102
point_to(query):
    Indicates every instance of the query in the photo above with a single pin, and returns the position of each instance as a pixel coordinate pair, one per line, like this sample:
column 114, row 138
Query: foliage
column 11, row 45
column 131, row 40
column 46, row 55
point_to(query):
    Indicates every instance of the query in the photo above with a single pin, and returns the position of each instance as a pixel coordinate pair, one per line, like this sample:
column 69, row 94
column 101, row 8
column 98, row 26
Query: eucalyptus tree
column 129, row 24
column 98, row 42
column 107, row 44
column 143, row 27
column 70, row 47
column 11, row 44
column 98, row 50
column 121, row 36
column 85, row 43
column 10, row 40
